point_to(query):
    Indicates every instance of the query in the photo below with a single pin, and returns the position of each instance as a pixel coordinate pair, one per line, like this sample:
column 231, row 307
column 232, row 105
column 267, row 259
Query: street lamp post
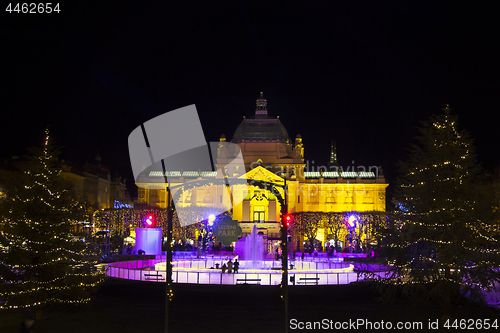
column 284, row 239
column 168, row 263
column 284, row 252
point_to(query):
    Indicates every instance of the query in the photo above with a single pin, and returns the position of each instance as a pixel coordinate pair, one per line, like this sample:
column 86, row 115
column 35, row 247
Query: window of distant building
column 258, row 214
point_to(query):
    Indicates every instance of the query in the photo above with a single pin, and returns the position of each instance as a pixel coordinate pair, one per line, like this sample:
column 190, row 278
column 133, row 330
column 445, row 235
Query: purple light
column 352, row 220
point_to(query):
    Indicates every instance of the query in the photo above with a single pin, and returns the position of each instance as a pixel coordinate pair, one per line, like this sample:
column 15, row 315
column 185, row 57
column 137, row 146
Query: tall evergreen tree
column 441, row 242
column 42, row 263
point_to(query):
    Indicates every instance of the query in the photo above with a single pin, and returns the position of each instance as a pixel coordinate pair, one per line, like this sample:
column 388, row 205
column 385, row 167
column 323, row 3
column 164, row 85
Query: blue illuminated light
column 211, row 219
column 118, row 204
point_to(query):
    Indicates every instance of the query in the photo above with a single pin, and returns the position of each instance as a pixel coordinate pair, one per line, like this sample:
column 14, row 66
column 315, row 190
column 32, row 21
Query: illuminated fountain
column 253, row 269
column 253, row 254
column 207, row 270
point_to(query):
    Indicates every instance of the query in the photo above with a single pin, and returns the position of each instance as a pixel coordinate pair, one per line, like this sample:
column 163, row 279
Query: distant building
column 267, row 150
column 92, row 182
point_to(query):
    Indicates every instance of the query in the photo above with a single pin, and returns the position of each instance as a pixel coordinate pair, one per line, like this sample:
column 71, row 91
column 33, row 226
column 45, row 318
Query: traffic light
column 149, row 221
column 288, row 220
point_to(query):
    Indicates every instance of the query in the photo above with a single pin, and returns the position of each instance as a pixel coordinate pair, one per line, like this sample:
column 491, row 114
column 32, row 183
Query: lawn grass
column 133, row 306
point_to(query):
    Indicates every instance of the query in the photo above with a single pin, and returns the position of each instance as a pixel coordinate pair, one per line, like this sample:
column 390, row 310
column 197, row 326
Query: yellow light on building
column 268, row 152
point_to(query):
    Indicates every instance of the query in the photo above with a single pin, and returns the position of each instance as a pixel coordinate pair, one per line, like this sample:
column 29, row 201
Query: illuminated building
column 269, row 153
column 92, row 182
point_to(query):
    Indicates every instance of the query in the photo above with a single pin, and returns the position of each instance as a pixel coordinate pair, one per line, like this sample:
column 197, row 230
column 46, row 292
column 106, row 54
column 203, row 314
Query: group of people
column 231, row 267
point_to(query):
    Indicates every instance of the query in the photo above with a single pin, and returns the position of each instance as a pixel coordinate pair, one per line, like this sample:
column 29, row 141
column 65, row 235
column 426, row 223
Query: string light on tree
column 441, row 237
column 42, row 261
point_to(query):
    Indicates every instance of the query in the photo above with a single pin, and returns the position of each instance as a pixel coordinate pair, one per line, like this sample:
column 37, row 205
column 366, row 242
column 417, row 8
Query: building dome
column 261, row 127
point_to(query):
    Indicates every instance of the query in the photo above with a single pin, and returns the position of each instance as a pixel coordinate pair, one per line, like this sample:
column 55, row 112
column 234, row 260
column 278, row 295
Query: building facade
column 94, row 184
column 270, row 155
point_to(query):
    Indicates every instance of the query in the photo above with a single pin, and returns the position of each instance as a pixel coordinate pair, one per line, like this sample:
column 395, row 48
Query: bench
column 248, row 280
column 308, row 280
column 158, row 277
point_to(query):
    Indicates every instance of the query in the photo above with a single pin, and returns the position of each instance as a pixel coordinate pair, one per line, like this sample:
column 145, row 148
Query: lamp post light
column 206, row 233
column 352, row 220
column 211, row 219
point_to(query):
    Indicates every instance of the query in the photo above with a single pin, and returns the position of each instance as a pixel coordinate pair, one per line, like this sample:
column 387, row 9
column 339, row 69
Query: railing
column 206, row 270
column 216, row 277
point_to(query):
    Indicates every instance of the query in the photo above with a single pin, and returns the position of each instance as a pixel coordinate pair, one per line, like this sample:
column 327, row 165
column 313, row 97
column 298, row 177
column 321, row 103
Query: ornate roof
column 261, row 127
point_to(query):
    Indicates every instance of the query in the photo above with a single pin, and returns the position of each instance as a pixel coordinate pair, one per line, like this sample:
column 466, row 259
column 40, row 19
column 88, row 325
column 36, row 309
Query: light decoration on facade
column 118, row 204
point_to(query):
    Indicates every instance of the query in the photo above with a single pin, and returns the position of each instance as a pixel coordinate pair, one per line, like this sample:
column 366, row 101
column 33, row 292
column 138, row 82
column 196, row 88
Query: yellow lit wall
column 267, row 156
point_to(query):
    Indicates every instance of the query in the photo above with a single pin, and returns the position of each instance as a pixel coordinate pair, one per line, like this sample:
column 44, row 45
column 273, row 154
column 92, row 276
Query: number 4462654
column 471, row 324
column 33, row 8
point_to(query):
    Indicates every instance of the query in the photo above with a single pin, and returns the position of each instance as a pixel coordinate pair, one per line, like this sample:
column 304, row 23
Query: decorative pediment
column 262, row 174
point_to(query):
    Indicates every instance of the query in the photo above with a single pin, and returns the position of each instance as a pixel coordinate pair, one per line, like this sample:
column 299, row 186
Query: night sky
column 363, row 73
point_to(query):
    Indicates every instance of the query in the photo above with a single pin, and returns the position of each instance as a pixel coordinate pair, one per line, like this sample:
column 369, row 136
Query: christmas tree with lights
column 42, row 263
column 441, row 243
